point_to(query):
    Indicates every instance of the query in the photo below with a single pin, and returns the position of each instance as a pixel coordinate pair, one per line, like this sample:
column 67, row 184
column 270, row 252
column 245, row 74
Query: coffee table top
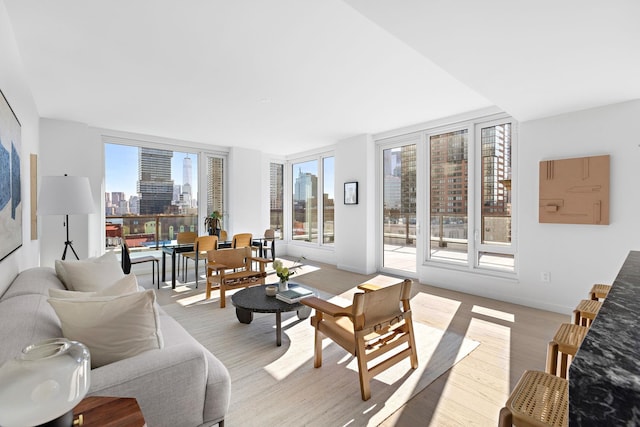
column 255, row 299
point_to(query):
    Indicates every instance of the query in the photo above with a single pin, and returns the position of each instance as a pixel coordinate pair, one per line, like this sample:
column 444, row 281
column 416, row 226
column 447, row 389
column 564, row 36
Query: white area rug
column 273, row 385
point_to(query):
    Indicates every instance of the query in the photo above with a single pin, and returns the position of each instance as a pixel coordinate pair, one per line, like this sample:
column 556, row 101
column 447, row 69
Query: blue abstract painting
column 10, row 184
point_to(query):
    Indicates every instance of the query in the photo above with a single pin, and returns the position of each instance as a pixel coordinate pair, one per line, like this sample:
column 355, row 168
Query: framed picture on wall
column 350, row 193
column 10, row 196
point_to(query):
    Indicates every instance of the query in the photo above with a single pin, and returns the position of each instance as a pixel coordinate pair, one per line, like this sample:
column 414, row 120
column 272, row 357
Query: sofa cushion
column 113, row 328
column 126, row 285
column 89, row 275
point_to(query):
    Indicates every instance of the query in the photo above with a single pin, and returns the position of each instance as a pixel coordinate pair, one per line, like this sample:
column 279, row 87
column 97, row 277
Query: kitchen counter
column 604, row 378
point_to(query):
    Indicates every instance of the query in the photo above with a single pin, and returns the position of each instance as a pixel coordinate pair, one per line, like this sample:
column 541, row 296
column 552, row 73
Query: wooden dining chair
column 378, row 321
column 185, row 238
column 241, row 240
column 202, row 245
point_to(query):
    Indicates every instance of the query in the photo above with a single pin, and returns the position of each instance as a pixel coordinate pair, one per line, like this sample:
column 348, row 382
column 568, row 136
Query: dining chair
column 241, row 240
column 261, row 246
column 378, row 322
column 185, row 238
column 203, row 244
column 268, row 243
column 126, row 262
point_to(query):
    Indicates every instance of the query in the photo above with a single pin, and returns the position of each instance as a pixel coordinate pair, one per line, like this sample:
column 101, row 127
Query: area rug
column 273, row 385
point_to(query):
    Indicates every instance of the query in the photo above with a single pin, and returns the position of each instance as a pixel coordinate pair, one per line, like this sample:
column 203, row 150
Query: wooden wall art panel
column 575, row 191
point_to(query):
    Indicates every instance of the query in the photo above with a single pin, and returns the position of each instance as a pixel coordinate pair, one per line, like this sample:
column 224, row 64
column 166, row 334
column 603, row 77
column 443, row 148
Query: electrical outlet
column 545, row 276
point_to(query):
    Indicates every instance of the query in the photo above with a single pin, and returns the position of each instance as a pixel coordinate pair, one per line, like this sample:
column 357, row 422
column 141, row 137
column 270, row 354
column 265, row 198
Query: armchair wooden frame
column 379, row 320
column 232, row 269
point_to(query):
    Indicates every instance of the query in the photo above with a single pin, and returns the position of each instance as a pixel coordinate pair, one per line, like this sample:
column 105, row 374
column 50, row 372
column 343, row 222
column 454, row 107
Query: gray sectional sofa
column 182, row 384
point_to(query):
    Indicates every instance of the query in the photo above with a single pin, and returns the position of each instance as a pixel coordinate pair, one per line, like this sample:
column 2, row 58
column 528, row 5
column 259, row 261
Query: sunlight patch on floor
column 497, row 314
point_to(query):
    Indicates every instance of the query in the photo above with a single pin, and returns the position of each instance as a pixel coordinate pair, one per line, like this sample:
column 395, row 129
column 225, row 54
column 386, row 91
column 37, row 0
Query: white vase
column 283, row 285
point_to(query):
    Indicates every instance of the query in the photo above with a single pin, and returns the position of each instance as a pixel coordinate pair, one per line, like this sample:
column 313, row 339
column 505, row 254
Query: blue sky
column 121, row 165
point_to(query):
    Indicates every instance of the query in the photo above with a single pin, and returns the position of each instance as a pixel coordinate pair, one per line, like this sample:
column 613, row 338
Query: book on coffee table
column 293, row 295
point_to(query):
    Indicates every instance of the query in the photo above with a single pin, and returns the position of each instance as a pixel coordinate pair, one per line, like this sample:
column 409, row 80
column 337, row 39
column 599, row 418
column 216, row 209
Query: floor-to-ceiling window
column 276, row 199
column 312, row 200
column 151, row 194
column 215, row 187
column 399, row 206
column 327, row 199
column 470, row 195
column 458, row 180
column 449, row 182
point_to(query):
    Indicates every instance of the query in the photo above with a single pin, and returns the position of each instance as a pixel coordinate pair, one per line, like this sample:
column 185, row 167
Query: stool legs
column 505, row 419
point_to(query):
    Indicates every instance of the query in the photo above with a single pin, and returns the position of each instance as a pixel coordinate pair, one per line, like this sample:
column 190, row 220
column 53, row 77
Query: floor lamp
column 65, row 195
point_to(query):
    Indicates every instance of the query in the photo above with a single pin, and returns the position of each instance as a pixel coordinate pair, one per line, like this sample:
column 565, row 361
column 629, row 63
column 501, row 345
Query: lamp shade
column 64, row 195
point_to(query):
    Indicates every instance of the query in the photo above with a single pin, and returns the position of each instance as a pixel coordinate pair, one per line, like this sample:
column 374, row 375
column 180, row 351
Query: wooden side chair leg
column 564, row 359
column 363, row 372
column 505, row 418
column 317, row 354
column 223, row 298
column 552, row 358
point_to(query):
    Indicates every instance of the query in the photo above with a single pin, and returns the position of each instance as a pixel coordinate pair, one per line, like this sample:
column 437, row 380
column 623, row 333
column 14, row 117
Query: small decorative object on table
column 294, row 294
column 271, row 291
column 284, row 273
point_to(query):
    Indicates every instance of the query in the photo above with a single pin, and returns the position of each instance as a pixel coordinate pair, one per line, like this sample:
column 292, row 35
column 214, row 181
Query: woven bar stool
column 566, row 343
column 539, row 399
column 586, row 311
column 599, row 291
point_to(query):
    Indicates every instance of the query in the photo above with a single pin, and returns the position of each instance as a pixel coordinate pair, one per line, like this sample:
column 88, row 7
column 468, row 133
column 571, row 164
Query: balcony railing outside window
column 147, row 231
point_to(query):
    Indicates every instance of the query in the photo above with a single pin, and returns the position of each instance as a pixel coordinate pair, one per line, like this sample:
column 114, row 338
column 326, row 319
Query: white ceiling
column 286, row 76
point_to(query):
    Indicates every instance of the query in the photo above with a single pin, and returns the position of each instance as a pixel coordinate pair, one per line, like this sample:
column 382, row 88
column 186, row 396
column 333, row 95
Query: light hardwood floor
column 512, row 338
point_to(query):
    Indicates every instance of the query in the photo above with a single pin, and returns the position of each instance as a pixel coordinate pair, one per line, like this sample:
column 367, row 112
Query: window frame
column 289, row 189
column 176, row 146
column 475, row 246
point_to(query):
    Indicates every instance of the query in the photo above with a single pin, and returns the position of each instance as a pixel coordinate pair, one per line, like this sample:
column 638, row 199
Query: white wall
column 355, row 247
column 576, row 255
column 247, row 199
column 15, row 88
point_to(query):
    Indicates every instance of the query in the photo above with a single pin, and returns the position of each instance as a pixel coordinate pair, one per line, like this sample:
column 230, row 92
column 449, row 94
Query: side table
column 108, row 412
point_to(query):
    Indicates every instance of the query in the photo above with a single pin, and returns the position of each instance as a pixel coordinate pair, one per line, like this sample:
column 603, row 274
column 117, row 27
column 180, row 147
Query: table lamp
column 65, row 195
column 44, row 383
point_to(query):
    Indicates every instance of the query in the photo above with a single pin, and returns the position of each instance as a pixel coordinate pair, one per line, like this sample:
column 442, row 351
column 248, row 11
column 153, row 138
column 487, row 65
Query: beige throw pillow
column 126, row 285
column 113, row 328
column 89, row 275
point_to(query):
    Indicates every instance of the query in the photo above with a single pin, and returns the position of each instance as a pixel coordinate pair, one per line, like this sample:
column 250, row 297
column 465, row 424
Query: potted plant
column 212, row 223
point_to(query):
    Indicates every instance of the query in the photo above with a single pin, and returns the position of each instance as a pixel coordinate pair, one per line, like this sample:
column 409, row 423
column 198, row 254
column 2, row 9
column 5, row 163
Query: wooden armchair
column 379, row 320
column 231, row 269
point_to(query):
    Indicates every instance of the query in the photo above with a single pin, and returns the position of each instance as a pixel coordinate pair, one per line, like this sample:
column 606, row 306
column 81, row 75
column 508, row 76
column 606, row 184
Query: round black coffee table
column 255, row 300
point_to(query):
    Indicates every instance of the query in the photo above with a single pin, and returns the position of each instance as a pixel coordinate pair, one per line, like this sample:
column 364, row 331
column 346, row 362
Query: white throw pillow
column 126, row 285
column 89, row 275
column 113, row 328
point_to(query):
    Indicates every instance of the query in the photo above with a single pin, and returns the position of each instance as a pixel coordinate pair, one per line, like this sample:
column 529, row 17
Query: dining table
column 173, row 249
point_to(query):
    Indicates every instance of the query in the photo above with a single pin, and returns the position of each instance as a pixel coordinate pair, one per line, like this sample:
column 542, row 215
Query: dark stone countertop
column 604, row 378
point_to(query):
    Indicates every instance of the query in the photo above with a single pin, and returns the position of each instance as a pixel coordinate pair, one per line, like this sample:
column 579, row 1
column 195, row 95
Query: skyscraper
column 155, row 185
column 186, row 180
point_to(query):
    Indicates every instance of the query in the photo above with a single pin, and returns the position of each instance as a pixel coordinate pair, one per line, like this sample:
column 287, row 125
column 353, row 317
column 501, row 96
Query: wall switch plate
column 545, row 276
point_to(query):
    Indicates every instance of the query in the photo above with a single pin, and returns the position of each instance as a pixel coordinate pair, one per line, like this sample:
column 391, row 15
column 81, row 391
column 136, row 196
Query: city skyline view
column 121, row 169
